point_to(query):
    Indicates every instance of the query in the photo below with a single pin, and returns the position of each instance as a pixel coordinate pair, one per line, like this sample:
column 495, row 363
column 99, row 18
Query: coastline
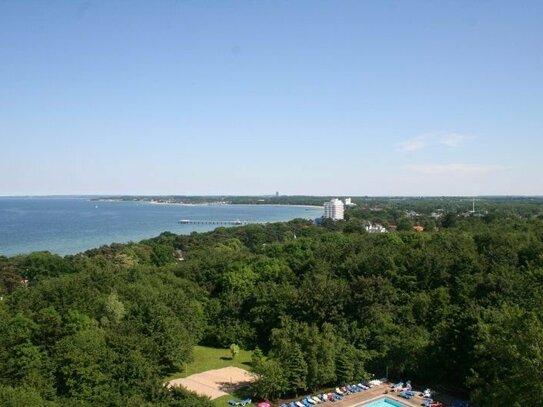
column 85, row 224
column 204, row 203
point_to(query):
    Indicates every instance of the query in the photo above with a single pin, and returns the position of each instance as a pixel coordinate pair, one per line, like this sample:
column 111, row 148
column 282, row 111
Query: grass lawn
column 223, row 401
column 212, row 358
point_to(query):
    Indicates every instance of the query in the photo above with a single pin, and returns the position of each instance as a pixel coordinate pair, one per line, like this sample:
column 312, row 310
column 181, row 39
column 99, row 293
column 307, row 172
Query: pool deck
column 375, row 393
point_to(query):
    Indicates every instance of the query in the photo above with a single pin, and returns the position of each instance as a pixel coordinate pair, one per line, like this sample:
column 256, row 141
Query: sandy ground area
column 215, row 383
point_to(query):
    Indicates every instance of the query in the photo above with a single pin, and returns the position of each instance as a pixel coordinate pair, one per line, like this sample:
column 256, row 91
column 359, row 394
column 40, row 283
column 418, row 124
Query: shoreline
column 204, row 203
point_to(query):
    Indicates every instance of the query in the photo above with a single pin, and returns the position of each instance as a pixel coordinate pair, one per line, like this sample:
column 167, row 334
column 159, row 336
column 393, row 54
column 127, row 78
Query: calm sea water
column 71, row 225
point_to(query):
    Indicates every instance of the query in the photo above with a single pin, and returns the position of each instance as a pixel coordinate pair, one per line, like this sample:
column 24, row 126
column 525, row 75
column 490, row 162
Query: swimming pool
column 383, row 403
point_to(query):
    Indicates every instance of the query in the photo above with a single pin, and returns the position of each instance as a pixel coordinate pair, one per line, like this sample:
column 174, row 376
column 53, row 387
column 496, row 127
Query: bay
column 64, row 225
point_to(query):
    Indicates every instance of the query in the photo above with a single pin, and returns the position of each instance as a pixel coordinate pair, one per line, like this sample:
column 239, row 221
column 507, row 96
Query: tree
column 296, row 369
column 83, row 366
column 234, row 350
column 20, row 397
column 271, row 380
column 345, row 364
column 114, row 309
column 509, row 365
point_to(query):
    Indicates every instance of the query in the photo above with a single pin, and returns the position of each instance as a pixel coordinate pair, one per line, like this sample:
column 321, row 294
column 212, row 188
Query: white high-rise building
column 334, row 209
column 348, row 202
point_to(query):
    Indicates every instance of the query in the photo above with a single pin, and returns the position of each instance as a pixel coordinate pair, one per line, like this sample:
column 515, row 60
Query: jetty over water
column 217, row 222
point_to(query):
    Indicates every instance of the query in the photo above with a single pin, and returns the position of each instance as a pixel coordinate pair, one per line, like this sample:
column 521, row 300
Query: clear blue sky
column 252, row 97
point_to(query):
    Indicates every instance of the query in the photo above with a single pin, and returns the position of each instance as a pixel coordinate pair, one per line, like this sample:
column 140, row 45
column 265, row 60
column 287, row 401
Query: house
column 375, row 228
column 418, row 228
column 179, row 255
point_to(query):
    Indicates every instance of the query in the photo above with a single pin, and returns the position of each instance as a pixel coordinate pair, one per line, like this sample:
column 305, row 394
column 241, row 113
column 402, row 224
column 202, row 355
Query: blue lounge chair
column 405, row 395
column 245, row 402
column 292, row 404
column 233, row 402
column 284, row 405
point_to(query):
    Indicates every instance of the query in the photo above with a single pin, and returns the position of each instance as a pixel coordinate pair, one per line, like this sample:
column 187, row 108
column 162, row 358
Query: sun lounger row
column 239, row 403
column 335, row 396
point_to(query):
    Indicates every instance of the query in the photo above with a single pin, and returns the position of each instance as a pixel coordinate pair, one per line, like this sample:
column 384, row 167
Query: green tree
column 234, row 350
column 271, row 380
column 508, row 369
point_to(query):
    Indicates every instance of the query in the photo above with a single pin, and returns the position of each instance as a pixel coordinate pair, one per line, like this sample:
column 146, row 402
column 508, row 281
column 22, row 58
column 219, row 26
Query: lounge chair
column 284, row 405
column 233, row 402
column 427, row 402
column 338, row 391
column 405, row 395
column 292, row 404
column 299, row 404
column 245, row 402
column 309, row 400
column 362, row 386
column 427, row 393
column 317, row 400
column 338, row 396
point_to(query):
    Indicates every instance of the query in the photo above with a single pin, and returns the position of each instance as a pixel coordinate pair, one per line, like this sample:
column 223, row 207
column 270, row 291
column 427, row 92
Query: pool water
column 383, row 403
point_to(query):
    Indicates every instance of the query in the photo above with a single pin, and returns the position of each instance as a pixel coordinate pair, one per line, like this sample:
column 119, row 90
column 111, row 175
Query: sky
column 252, row 97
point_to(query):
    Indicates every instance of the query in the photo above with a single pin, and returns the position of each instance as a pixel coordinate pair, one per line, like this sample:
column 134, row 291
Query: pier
column 217, row 222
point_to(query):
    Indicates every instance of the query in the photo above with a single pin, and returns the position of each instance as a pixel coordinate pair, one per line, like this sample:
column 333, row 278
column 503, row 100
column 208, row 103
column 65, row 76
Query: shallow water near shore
column 71, row 225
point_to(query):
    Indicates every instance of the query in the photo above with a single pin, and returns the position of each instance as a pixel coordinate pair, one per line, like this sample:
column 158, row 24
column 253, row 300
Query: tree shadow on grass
column 226, row 358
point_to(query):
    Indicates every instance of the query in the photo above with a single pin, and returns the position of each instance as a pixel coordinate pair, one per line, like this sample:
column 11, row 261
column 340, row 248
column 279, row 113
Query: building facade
column 334, row 209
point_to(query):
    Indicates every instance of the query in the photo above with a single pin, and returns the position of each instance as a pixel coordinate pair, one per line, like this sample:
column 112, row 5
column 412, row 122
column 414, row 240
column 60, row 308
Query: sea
column 69, row 225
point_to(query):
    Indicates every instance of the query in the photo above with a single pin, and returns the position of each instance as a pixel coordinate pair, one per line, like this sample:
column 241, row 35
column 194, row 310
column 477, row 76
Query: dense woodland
column 458, row 307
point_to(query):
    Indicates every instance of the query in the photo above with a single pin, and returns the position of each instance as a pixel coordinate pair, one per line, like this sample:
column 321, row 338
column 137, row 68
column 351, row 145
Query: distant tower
column 473, row 206
column 277, row 194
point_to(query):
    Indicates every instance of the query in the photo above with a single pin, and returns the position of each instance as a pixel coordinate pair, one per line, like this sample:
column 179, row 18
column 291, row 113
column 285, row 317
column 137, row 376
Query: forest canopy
column 457, row 307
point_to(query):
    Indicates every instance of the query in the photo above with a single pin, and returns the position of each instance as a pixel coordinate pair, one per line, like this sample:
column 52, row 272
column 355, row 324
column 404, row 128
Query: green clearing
column 223, row 401
column 206, row 358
